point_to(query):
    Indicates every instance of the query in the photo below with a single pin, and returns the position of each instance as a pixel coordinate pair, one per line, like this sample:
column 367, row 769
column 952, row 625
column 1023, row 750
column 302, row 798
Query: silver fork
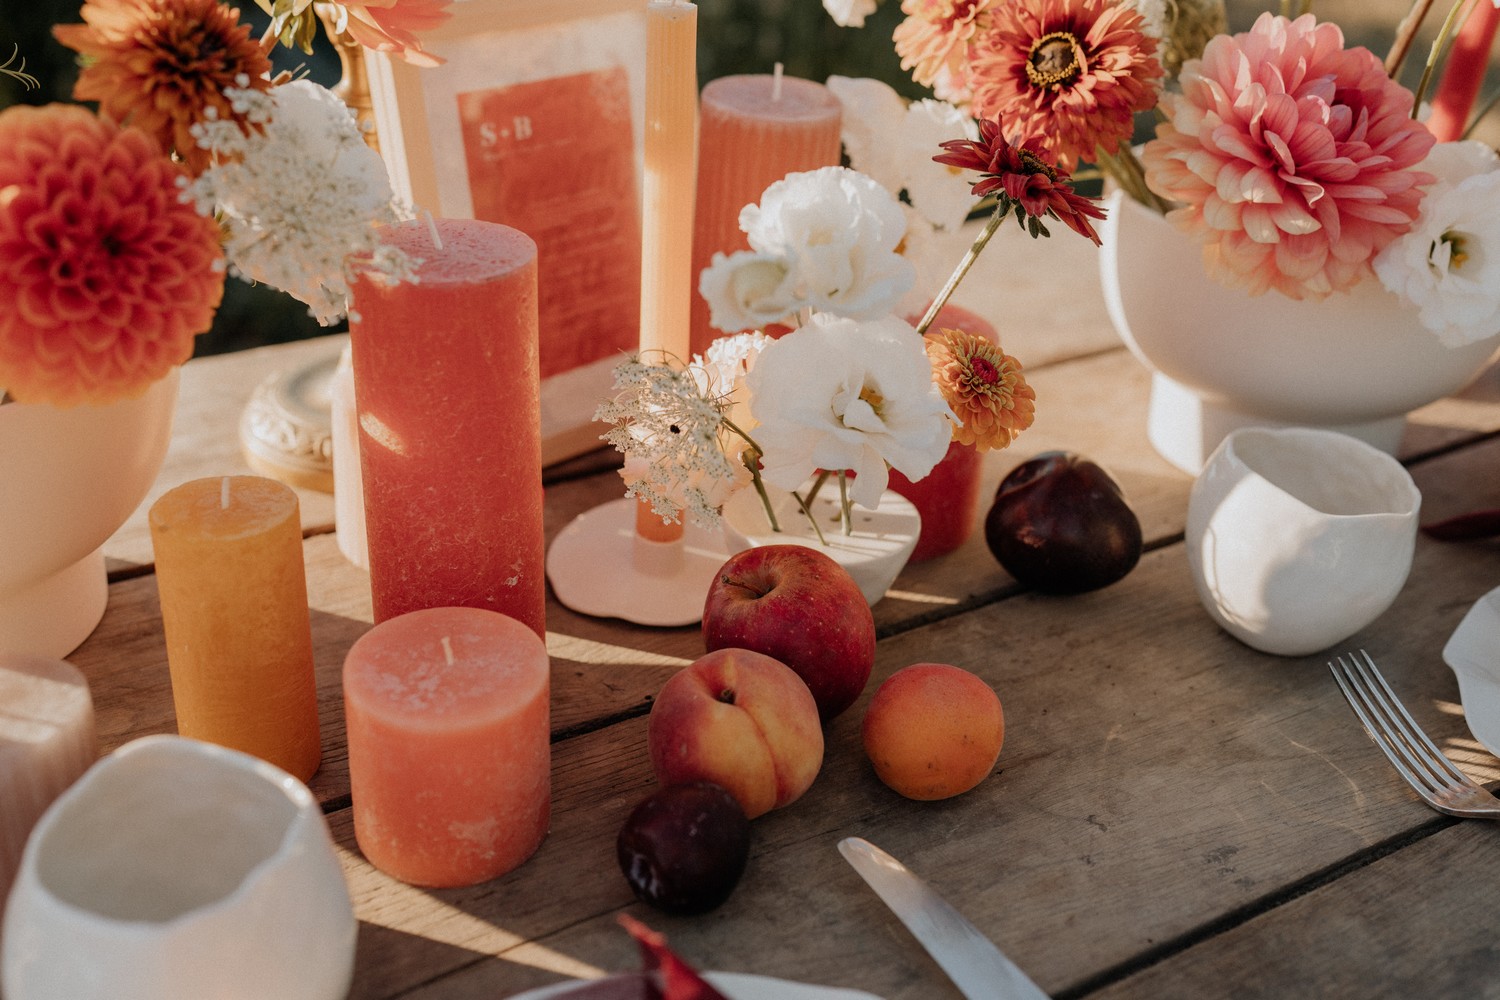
column 1434, row 777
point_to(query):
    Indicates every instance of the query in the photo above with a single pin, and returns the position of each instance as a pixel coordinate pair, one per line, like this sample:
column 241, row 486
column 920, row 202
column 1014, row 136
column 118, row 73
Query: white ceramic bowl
column 179, row 870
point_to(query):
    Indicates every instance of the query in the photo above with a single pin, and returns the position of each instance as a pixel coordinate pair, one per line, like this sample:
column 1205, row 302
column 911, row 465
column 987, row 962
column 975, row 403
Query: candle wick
column 447, row 651
column 432, row 230
column 224, row 494
column 776, row 83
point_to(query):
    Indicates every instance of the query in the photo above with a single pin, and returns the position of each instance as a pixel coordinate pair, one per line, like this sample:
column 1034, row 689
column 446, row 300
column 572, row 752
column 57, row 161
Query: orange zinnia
column 983, row 386
column 160, row 65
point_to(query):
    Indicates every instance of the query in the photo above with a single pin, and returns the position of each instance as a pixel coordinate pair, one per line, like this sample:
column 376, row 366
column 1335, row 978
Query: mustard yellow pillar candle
column 234, row 608
column 448, row 720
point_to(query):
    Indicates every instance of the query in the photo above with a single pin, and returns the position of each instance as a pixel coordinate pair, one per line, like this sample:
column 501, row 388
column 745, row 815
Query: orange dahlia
column 1072, row 72
column 161, row 64
column 983, row 386
column 105, row 275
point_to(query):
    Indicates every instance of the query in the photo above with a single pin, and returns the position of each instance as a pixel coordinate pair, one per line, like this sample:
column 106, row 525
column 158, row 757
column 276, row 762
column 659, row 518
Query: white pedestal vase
column 71, row 477
column 1222, row 359
column 874, row 554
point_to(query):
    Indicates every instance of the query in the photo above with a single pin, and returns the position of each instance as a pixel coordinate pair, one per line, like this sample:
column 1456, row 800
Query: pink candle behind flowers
column 1464, row 72
column 755, row 130
column 449, row 745
column 447, row 389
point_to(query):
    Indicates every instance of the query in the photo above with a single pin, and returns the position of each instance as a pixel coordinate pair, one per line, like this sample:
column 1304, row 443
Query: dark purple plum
column 684, row 847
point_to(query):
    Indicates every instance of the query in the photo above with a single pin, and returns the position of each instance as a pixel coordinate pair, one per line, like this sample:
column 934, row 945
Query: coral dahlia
column 1292, row 157
column 105, row 274
column 161, row 65
column 932, row 40
column 983, row 386
column 1071, row 72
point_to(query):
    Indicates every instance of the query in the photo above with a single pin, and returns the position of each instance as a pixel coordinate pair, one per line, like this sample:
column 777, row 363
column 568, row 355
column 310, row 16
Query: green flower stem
column 751, row 460
column 846, row 516
column 806, row 506
column 1435, row 53
column 970, row 256
column 1406, row 33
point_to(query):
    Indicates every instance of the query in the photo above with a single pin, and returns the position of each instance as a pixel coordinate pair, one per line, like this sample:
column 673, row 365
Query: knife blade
column 970, row 959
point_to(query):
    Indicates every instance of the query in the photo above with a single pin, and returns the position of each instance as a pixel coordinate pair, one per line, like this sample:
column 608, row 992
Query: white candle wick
column 437, row 241
column 224, row 494
column 776, row 83
column 447, row 651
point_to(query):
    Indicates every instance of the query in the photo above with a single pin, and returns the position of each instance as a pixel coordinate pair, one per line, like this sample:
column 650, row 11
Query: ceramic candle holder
column 1298, row 538
column 180, row 870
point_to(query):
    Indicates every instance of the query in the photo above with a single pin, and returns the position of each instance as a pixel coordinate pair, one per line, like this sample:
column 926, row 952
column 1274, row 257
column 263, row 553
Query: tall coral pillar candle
column 670, row 177
column 449, row 745
column 47, row 740
column 1464, row 72
column 755, row 130
column 234, row 609
column 448, row 392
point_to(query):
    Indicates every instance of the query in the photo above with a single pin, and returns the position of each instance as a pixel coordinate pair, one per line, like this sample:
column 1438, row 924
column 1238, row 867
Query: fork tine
column 1355, row 693
column 1413, row 733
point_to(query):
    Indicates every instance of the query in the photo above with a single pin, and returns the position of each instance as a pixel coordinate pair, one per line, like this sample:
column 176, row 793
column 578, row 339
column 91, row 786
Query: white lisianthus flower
column 747, row 290
column 840, row 394
column 943, row 194
column 849, row 13
column 838, row 230
column 298, row 197
column 1448, row 264
column 872, row 116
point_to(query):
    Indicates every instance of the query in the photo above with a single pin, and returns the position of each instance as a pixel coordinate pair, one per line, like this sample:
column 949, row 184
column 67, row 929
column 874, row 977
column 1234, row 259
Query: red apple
column 799, row 606
column 741, row 720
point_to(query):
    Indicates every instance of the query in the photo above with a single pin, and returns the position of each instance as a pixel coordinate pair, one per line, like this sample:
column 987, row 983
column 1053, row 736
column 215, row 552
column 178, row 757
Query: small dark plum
column 684, row 847
column 1060, row 525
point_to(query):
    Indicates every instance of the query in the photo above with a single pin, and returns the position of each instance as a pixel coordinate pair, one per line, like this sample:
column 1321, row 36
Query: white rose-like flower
column 1448, row 264
column 943, row 194
column 838, row 230
column 872, row 116
column 849, row 13
column 747, row 290
column 840, row 394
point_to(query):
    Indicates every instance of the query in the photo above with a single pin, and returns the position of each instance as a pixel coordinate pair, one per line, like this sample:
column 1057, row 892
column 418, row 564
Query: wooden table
column 1173, row 814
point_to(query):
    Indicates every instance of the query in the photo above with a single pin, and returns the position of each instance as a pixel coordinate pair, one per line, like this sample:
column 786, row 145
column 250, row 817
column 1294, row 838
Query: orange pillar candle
column 234, row 609
column 755, row 130
column 449, row 745
column 448, row 394
column 670, row 177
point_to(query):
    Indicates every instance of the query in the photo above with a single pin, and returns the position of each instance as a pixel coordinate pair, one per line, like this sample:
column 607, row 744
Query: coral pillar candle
column 449, row 745
column 234, row 609
column 1464, row 72
column 754, row 131
column 46, row 741
column 447, row 388
column 670, row 177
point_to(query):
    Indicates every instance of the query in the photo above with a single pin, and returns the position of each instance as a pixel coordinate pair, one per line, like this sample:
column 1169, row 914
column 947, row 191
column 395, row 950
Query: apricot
column 933, row 731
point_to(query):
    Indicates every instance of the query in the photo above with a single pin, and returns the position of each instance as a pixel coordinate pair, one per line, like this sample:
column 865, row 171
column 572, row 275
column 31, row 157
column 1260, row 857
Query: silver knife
column 969, row 958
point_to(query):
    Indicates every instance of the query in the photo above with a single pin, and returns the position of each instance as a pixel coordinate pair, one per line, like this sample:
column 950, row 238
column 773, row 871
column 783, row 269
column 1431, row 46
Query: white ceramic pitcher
column 1298, row 538
column 180, row 870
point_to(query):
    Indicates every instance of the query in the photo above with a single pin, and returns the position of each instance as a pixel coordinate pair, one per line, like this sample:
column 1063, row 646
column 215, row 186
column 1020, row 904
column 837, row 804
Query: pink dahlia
column 106, row 275
column 1072, row 72
column 932, row 40
column 1292, row 157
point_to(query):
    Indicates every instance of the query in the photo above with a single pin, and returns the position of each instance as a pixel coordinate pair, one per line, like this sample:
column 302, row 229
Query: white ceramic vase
column 1221, row 359
column 874, row 553
column 1297, row 538
column 71, row 477
column 180, row 870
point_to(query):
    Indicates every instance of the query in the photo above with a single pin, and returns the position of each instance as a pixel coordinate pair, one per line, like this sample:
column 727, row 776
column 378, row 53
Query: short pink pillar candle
column 47, row 740
column 449, row 745
column 448, row 392
column 753, row 131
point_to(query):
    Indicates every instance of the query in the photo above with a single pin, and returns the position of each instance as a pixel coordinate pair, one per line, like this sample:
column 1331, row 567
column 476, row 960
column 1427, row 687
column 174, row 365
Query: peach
column 742, row 720
column 933, row 730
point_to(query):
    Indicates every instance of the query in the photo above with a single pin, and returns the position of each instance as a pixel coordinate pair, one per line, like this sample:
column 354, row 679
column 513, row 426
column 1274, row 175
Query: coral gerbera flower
column 983, row 386
column 161, row 65
column 1023, row 178
column 1292, row 156
column 1073, row 72
column 931, row 41
column 106, row 275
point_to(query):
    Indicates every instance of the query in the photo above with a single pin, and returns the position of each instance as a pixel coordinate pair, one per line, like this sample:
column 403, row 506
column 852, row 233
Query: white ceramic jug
column 1298, row 538
column 180, row 870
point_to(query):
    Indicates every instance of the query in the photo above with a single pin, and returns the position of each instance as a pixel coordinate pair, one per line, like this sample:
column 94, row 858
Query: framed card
column 534, row 121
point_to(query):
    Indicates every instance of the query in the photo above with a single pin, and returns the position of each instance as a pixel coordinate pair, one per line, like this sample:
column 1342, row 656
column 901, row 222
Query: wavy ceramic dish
column 734, row 985
column 1474, row 654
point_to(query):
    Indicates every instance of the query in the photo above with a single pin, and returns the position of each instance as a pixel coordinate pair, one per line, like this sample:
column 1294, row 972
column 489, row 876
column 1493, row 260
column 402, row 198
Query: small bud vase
column 874, row 553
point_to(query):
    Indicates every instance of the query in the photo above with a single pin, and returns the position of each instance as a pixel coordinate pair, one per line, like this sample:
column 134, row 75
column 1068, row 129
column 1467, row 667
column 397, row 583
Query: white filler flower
column 839, row 394
column 849, row 13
